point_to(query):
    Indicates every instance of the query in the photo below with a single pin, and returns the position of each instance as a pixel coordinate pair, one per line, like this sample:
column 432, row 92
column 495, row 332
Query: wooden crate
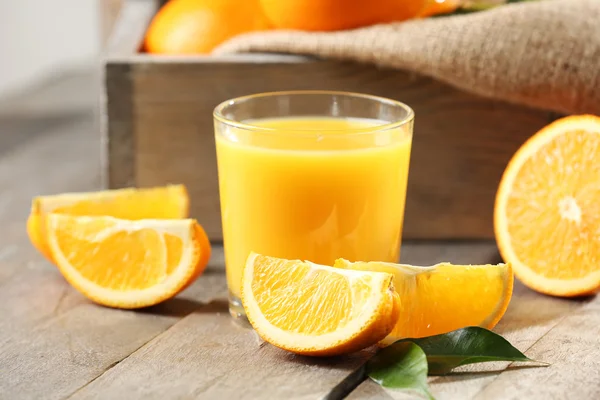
column 158, row 126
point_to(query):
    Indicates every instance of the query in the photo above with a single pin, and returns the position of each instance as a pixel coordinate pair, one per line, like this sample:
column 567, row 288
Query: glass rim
column 219, row 116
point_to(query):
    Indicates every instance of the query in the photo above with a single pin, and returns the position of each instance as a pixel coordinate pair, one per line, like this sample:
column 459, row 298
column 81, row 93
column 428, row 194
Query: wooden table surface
column 55, row 344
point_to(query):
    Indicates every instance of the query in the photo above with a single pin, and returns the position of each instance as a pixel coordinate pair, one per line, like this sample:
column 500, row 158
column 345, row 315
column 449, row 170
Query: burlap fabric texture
column 544, row 54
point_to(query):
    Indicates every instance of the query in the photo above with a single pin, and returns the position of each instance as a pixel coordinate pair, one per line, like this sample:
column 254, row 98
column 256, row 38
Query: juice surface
column 320, row 194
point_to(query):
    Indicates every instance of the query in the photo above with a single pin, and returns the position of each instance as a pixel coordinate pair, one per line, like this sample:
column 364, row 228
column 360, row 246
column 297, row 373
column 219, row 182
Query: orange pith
column 547, row 211
column 317, row 310
column 444, row 297
column 127, row 264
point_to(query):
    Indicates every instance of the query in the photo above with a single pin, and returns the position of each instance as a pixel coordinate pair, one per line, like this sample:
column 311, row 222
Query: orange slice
column 127, row 264
column 547, row 211
column 157, row 203
column 317, row 310
column 444, row 297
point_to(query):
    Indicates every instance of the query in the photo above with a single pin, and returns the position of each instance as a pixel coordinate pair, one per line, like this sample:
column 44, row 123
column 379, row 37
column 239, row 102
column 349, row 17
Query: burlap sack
column 544, row 54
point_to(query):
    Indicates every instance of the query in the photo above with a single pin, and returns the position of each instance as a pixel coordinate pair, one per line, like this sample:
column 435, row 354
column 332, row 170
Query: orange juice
column 315, row 189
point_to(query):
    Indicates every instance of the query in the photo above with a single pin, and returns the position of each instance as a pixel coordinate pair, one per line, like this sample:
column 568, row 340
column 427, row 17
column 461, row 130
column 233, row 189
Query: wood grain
column 571, row 348
column 209, row 356
column 118, row 147
column 78, row 90
column 116, row 99
column 160, row 129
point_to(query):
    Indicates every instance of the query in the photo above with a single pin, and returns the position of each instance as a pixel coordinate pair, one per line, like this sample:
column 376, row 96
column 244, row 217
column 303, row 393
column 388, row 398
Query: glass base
column 236, row 309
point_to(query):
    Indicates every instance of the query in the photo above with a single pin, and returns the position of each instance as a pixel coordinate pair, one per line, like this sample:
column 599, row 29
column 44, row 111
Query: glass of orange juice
column 311, row 175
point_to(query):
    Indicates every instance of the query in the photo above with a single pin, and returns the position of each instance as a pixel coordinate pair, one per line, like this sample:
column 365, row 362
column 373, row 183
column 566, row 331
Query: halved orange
column 444, row 297
column 157, row 203
column 317, row 310
column 127, row 264
column 547, row 211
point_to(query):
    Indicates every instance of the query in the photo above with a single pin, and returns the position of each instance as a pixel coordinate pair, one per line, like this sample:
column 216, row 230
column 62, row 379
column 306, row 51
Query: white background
column 41, row 38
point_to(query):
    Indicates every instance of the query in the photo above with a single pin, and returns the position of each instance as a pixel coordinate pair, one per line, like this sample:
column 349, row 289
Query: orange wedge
column 444, row 297
column 127, row 264
column 317, row 310
column 157, row 203
column 547, row 211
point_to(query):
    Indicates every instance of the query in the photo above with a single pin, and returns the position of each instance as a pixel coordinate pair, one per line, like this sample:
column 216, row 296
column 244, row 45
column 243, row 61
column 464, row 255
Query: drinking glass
column 311, row 175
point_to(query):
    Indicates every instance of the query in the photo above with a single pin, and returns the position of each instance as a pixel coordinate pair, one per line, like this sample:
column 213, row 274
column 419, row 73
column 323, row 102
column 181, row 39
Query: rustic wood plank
column 17, row 131
column 571, row 347
column 117, row 114
column 65, row 341
column 209, row 356
column 78, row 90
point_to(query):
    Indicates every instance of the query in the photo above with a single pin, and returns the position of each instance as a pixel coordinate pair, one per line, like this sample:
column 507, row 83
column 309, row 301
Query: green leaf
column 406, row 363
column 464, row 346
column 401, row 366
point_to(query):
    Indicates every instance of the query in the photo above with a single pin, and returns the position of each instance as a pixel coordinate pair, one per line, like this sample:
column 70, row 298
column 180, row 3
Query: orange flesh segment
column 319, row 289
column 317, row 310
column 547, row 210
column 174, row 246
column 127, row 264
column 130, row 260
column 558, row 190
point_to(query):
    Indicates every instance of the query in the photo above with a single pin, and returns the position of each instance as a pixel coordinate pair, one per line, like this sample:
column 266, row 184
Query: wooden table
column 55, row 344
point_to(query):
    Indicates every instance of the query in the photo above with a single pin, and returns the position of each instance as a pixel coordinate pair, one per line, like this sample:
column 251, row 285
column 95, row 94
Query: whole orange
column 330, row 15
column 198, row 26
column 440, row 7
